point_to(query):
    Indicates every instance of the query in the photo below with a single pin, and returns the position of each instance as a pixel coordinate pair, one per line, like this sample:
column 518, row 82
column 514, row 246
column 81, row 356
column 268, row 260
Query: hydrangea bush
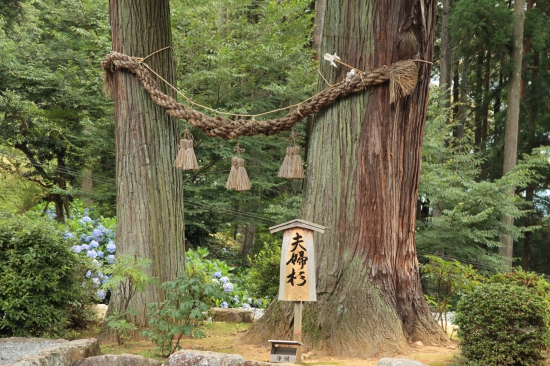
column 233, row 286
column 92, row 237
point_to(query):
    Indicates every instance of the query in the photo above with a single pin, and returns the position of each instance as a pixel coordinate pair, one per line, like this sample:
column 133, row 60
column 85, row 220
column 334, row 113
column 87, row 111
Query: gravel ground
column 11, row 349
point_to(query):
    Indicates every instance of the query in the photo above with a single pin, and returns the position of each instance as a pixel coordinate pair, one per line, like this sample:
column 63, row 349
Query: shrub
column 188, row 299
column 446, row 281
column 40, row 281
column 263, row 279
column 129, row 276
column 503, row 324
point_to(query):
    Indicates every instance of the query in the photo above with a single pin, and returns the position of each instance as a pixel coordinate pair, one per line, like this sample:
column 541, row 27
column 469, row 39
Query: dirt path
column 226, row 338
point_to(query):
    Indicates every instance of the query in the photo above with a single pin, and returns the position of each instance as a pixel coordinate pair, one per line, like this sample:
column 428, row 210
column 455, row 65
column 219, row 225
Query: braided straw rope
column 402, row 75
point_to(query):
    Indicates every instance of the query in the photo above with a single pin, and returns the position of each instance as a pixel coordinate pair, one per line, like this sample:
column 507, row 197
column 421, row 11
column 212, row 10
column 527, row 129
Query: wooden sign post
column 297, row 273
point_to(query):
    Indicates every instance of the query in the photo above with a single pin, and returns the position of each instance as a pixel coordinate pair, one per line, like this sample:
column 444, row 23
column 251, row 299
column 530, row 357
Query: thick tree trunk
column 512, row 120
column 149, row 189
column 362, row 182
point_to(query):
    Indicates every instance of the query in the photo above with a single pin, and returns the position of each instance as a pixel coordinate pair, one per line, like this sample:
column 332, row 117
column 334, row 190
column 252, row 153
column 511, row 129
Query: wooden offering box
column 283, row 351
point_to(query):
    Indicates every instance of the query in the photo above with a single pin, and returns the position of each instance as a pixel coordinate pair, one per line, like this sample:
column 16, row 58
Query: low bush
column 503, row 324
column 188, row 299
column 40, row 279
column 263, row 279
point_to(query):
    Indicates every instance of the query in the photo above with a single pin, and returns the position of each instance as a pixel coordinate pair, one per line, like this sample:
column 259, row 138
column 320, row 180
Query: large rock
column 232, row 315
column 399, row 362
column 203, row 358
column 117, row 360
column 63, row 353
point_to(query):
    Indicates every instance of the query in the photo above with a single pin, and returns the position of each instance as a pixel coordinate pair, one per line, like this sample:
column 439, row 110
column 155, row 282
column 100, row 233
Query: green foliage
column 128, row 276
column 40, row 279
column 503, row 324
column 447, row 279
column 188, row 299
column 519, row 277
column 263, row 279
column 53, row 114
column 241, row 57
column 471, row 209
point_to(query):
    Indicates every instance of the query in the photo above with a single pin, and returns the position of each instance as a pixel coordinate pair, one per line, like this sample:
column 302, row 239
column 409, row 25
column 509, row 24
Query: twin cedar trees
column 238, row 179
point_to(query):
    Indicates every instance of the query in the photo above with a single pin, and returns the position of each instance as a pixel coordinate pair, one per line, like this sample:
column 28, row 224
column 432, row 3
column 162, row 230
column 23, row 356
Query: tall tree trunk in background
column 88, row 186
column 248, row 244
column 512, row 119
column 149, row 189
column 446, row 56
column 463, row 92
column 362, row 182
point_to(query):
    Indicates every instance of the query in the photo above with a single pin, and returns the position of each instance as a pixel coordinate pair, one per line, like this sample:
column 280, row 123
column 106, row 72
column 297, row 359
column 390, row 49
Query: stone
column 232, row 315
column 117, row 360
column 63, row 354
column 418, row 344
column 260, row 363
column 399, row 362
column 204, row 358
column 100, row 310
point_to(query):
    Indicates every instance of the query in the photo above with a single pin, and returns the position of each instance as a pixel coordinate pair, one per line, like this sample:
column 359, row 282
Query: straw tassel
column 292, row 165
column 238, row 179
column 186, row 159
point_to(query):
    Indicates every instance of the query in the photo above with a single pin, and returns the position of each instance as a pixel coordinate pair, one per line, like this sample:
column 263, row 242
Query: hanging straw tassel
column 292, row 165
column 186, row 159
column 238, row 179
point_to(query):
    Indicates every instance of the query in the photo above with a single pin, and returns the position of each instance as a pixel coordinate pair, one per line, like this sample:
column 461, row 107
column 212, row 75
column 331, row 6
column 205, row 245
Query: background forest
column 249, row 56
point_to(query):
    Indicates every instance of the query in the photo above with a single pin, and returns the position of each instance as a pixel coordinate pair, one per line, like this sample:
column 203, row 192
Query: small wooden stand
column 284, row 351
column 298, row 328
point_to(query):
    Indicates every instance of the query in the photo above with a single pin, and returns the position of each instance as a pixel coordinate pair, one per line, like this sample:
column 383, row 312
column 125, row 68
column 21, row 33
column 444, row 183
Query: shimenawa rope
column 402, row 75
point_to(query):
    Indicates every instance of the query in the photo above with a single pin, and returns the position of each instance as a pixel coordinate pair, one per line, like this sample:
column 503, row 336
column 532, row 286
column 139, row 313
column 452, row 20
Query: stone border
column 62, row 355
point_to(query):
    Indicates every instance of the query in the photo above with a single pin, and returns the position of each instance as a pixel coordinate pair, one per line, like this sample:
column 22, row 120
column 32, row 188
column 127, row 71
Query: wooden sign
column 297, row 273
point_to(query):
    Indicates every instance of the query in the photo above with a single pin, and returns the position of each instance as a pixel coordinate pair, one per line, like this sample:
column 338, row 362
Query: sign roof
column 297, row 223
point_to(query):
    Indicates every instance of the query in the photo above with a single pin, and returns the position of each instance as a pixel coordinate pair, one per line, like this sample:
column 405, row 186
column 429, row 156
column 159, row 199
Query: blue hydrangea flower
column 100, row 254
column 246, row 307
column 228, row 287
column 91, row 254
column 94, row 244
column 111, row 247
column 100, row 294
column 85, row 220
column 84, row 247
column 224, row 279
column 224, row 250
column 96, row 281
column 86, row 211
column 217, row 274
column 236, row 299
column 250, row 300
column 88, row 274
column 76, row 248
column 52, row 215
column 83, row 237
column 110, row 259
column 224, row 305
column 260, row 301
column 68, row 235
column 97, row 234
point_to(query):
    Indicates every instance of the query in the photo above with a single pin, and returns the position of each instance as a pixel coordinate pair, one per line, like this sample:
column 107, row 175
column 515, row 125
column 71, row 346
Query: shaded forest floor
column 225, row 337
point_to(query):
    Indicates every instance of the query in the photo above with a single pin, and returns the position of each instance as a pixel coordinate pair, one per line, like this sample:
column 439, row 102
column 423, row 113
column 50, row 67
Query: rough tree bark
column 149, row 190
column 362, row 182
column 512, row 120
